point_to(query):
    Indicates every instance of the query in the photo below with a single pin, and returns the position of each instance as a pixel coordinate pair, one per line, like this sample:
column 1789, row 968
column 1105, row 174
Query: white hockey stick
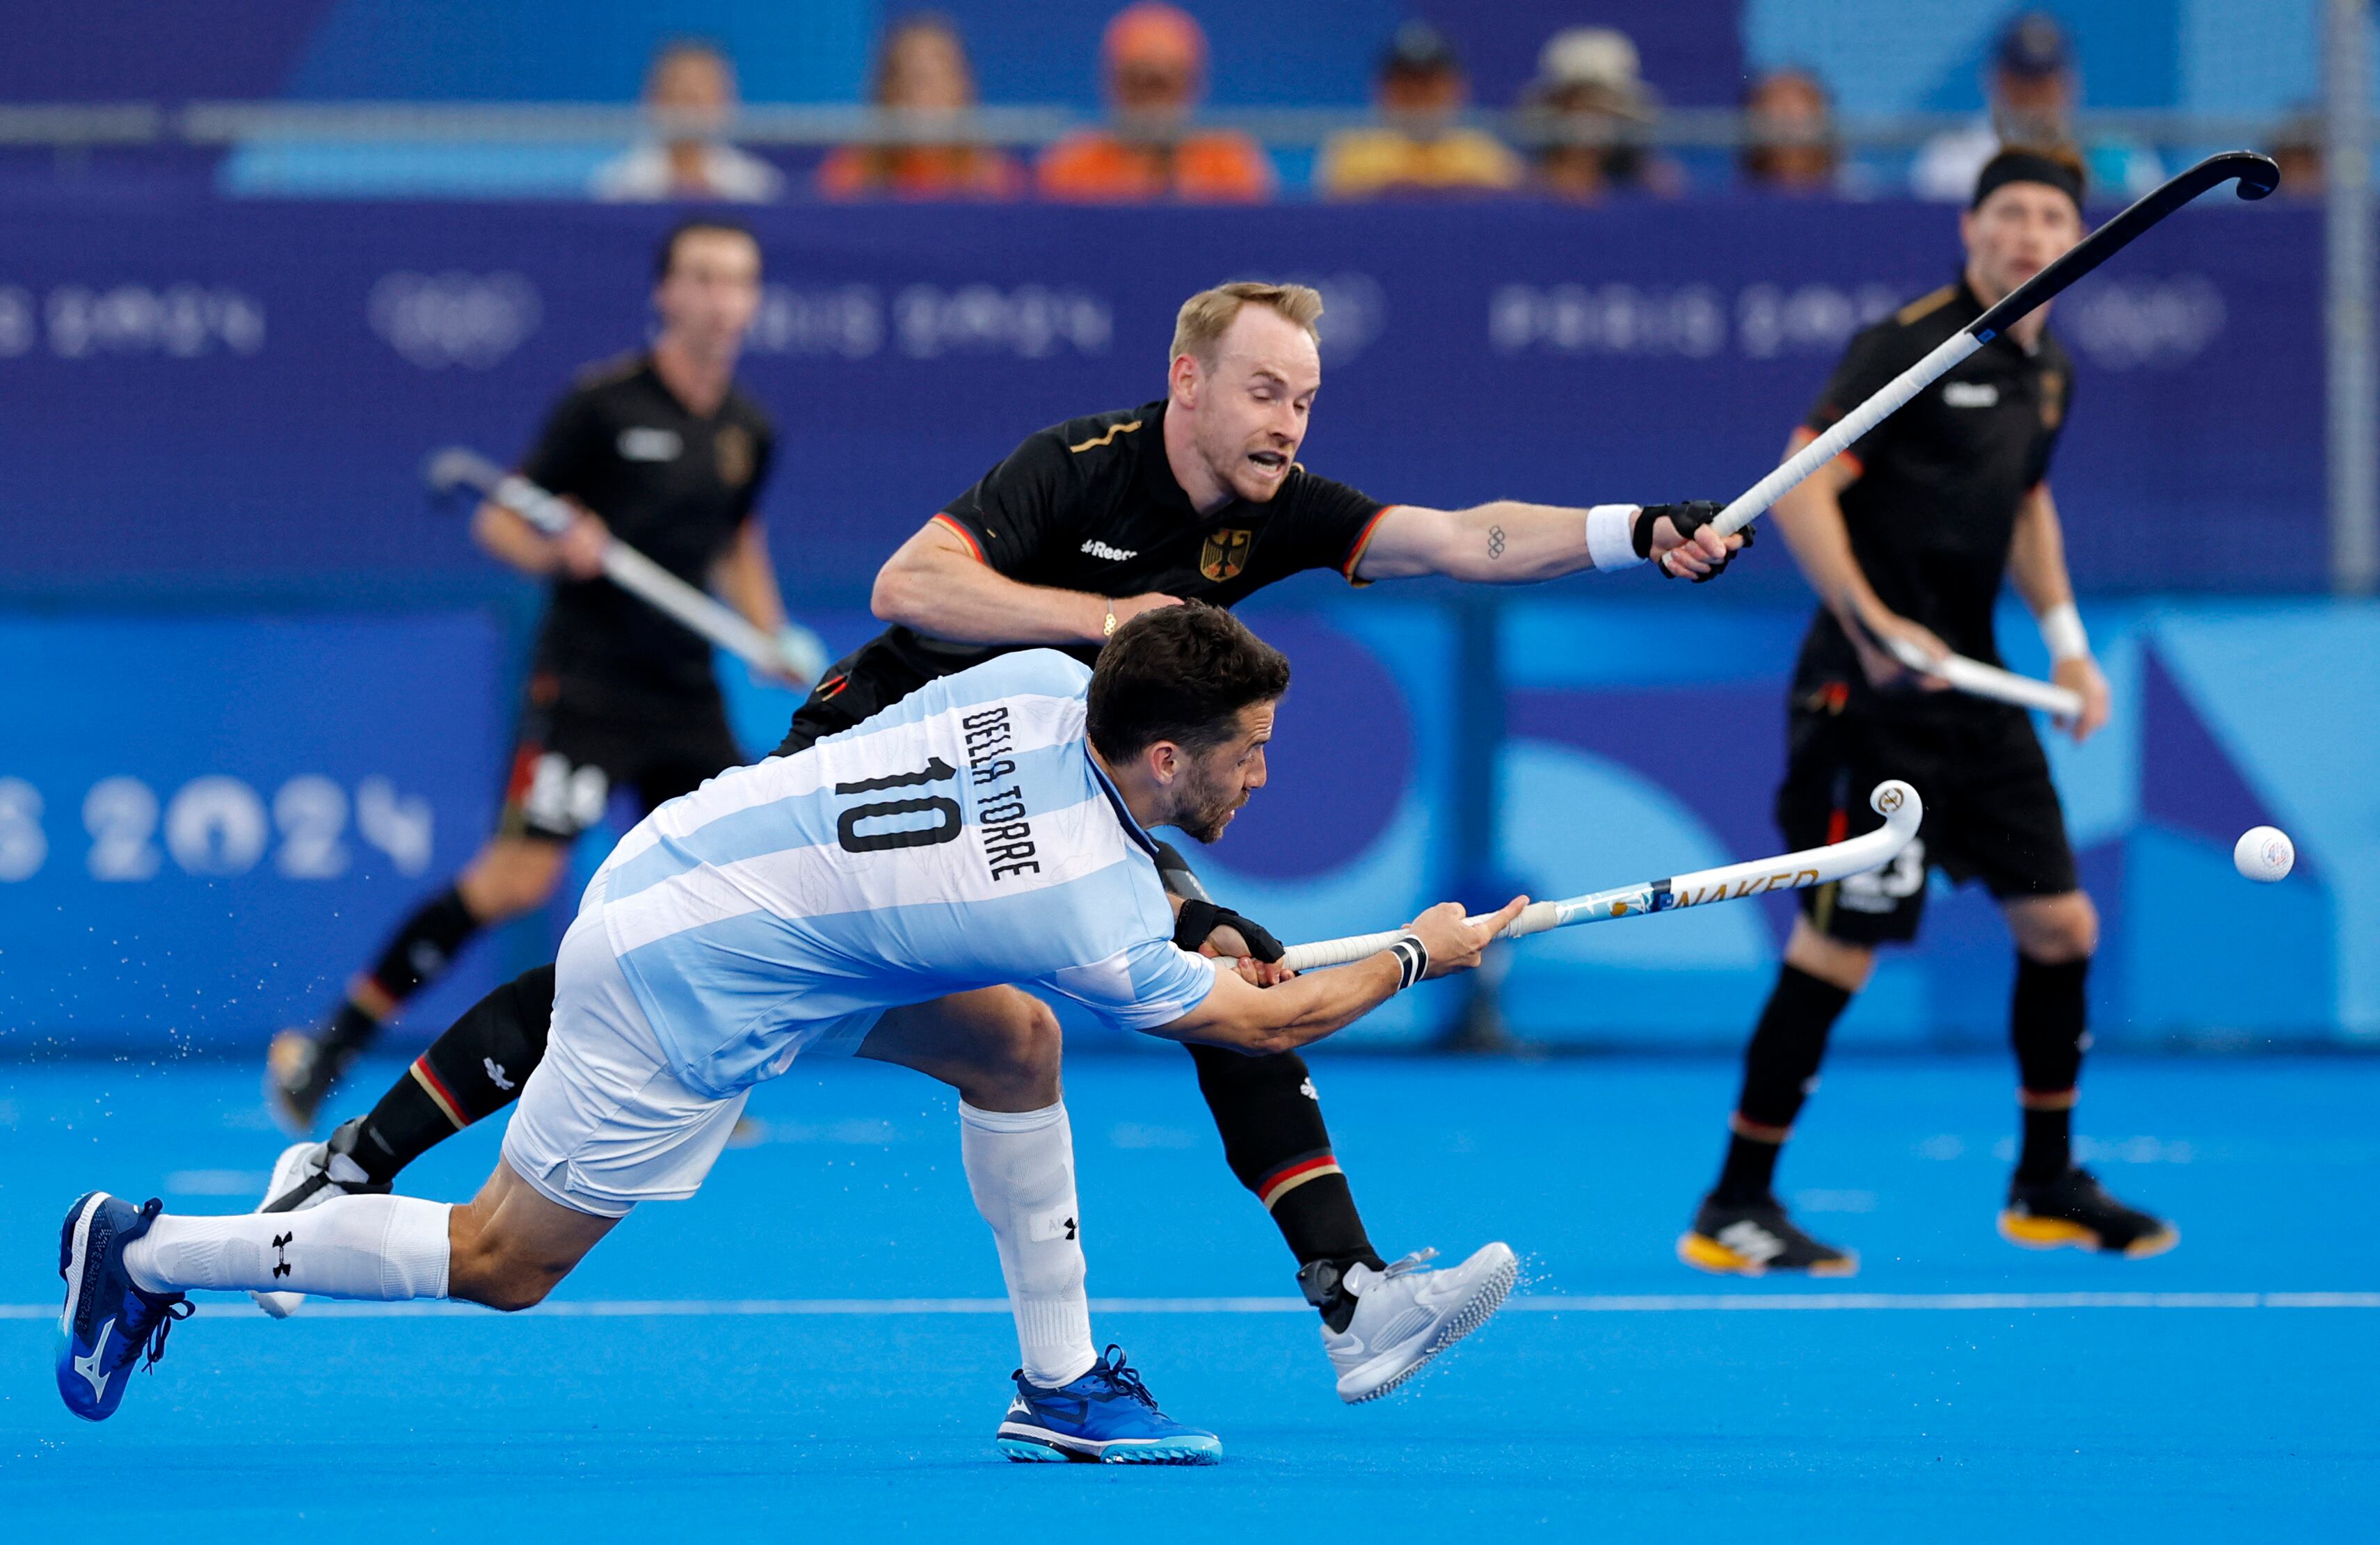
column 2257, row 175
column 1979, row 680
column 457, row 466
column 1896, row 801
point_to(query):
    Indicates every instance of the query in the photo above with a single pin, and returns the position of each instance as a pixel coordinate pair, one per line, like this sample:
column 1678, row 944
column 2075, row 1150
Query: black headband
column 2026, row 167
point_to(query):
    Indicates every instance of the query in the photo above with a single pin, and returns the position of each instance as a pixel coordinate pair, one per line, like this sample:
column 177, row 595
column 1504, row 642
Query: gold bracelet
column 1108, row 631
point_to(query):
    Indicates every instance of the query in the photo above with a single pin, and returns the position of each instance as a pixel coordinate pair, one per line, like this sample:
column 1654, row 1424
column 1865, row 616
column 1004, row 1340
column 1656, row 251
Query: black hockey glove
column 1198, row 919
column 1687, row 518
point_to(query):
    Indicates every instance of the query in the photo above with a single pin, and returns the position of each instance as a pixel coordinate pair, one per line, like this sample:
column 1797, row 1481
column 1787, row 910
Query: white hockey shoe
column 1408, row 1313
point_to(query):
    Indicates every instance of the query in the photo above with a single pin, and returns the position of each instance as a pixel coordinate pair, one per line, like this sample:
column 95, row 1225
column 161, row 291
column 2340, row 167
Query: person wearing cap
column 1587, row 109
column 2031, row 89
column 1907, row 538
column 1420, row 146
column 1154, row 56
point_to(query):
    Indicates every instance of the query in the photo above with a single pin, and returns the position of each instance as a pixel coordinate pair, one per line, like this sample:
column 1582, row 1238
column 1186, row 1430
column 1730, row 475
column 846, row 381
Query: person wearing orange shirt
column 1155, row 59
column 1420, row 147
column 922, row 78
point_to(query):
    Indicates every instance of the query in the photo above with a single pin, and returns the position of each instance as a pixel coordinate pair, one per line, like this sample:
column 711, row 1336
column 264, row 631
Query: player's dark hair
column 665, row 255
column 1179, row 674
column 2060, row 166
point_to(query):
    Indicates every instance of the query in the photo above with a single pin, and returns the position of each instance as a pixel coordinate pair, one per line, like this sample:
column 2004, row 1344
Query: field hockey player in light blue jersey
column 884, row 893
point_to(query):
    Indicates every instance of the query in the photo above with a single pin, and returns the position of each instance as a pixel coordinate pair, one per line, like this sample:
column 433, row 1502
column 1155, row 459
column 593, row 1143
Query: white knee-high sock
column 385, row 1248
column 1020, row 1167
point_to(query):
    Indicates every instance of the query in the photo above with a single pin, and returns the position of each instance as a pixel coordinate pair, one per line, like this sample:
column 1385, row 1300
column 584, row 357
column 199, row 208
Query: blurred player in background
column 1910, row 534
column 1085, row 526
column 665, row 451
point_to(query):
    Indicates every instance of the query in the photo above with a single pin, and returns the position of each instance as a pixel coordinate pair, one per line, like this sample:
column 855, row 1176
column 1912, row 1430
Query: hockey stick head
column 2258, row 175
column 457, row 468
column 1903, row 810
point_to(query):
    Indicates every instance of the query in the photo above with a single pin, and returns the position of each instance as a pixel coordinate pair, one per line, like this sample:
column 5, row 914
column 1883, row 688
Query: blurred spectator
column 1419, row 146
column 2297, row 153
column 1792, row 147
column 1155, row 60
column 2031, row 91
column 924, row 79
column 690, row 96
column 1590, row 105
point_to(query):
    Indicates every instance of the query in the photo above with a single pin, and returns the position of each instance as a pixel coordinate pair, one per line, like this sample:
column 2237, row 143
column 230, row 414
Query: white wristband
column 2062, row 629
column 1611, row 535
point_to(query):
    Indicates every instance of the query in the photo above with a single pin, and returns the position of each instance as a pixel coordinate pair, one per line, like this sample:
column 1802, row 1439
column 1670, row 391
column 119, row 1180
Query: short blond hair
column 1200, row 326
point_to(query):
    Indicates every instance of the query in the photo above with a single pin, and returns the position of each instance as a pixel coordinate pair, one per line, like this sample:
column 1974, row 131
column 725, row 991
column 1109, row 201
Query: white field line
column 632, row 1309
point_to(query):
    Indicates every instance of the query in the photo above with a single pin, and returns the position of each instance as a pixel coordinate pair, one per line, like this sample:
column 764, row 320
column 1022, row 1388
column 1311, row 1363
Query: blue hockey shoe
column 109, row 1323
column 1107, row 1417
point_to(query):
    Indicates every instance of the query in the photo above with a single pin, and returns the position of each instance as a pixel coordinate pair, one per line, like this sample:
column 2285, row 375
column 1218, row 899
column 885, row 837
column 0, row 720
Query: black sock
column 423, row 947
column 1749, row 1172
column 1781, row 1067
column 2048, row 1014
column 469, row 1073
column 2048, row 1142
column 1277, row 1143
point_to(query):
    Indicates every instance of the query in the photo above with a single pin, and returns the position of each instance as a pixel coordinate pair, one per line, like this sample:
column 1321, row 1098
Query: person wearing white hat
column 1588, row 107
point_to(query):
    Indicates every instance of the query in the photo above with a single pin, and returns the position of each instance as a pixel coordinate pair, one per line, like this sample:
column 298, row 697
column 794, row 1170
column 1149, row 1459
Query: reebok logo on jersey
column 649, row 445
column 1971, row 394
column 1098, row 548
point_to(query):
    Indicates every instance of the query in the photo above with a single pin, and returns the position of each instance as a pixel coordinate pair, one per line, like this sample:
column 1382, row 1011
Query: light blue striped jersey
column 962, row 838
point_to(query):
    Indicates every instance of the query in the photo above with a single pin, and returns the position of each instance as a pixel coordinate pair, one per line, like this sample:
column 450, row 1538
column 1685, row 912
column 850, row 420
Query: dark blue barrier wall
column 246, row 391
column 206, row 822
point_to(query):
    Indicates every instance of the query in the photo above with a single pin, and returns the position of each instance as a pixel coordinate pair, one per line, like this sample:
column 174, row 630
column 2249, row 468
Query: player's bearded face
column 1254, row 401
column 712, row 291
column 1214, row 785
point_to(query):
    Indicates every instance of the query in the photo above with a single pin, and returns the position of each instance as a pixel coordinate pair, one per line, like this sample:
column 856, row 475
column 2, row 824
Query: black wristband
column 1413, row 960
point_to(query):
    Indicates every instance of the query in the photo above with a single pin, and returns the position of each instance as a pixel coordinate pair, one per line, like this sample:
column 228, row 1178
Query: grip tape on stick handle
column 623, row 564
column 1903, row 810
column 1979, row 680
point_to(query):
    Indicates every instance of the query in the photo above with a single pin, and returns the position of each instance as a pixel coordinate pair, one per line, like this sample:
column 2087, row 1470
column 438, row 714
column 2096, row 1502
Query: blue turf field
column 671, row 1406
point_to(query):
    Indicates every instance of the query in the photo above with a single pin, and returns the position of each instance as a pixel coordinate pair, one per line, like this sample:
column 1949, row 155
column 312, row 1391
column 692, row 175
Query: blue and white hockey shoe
column 1107, row 1417
column 109, row 1324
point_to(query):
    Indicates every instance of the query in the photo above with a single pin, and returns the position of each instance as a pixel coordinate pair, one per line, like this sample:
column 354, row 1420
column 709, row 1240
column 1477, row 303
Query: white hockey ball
column 2263, row 853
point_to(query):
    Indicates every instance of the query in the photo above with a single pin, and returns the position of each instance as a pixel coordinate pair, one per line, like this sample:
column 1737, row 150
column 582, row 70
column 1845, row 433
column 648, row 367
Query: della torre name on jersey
column 998, row 812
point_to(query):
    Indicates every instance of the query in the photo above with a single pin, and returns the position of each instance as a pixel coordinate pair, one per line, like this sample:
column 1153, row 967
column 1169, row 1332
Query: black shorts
column 1991, row 812
column 569, row 757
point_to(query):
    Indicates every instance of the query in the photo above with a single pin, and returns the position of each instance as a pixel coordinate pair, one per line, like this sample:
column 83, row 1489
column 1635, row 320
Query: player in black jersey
column 1086, row 524
column 1910, row 534
column 662, row 450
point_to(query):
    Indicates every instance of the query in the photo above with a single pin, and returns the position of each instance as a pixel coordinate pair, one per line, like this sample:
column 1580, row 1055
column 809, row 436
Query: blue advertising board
column 212, row 389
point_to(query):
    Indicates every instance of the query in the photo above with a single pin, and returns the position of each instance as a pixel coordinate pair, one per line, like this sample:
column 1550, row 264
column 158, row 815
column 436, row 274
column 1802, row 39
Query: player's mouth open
column 1271, row 461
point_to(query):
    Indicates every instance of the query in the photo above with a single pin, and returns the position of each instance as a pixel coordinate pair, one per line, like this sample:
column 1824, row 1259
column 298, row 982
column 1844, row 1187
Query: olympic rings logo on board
column 435, row 320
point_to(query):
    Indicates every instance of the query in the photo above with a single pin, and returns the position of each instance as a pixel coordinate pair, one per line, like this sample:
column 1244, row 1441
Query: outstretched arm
column 935, row 583
column 1304, row 1009
column 1508, row 543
